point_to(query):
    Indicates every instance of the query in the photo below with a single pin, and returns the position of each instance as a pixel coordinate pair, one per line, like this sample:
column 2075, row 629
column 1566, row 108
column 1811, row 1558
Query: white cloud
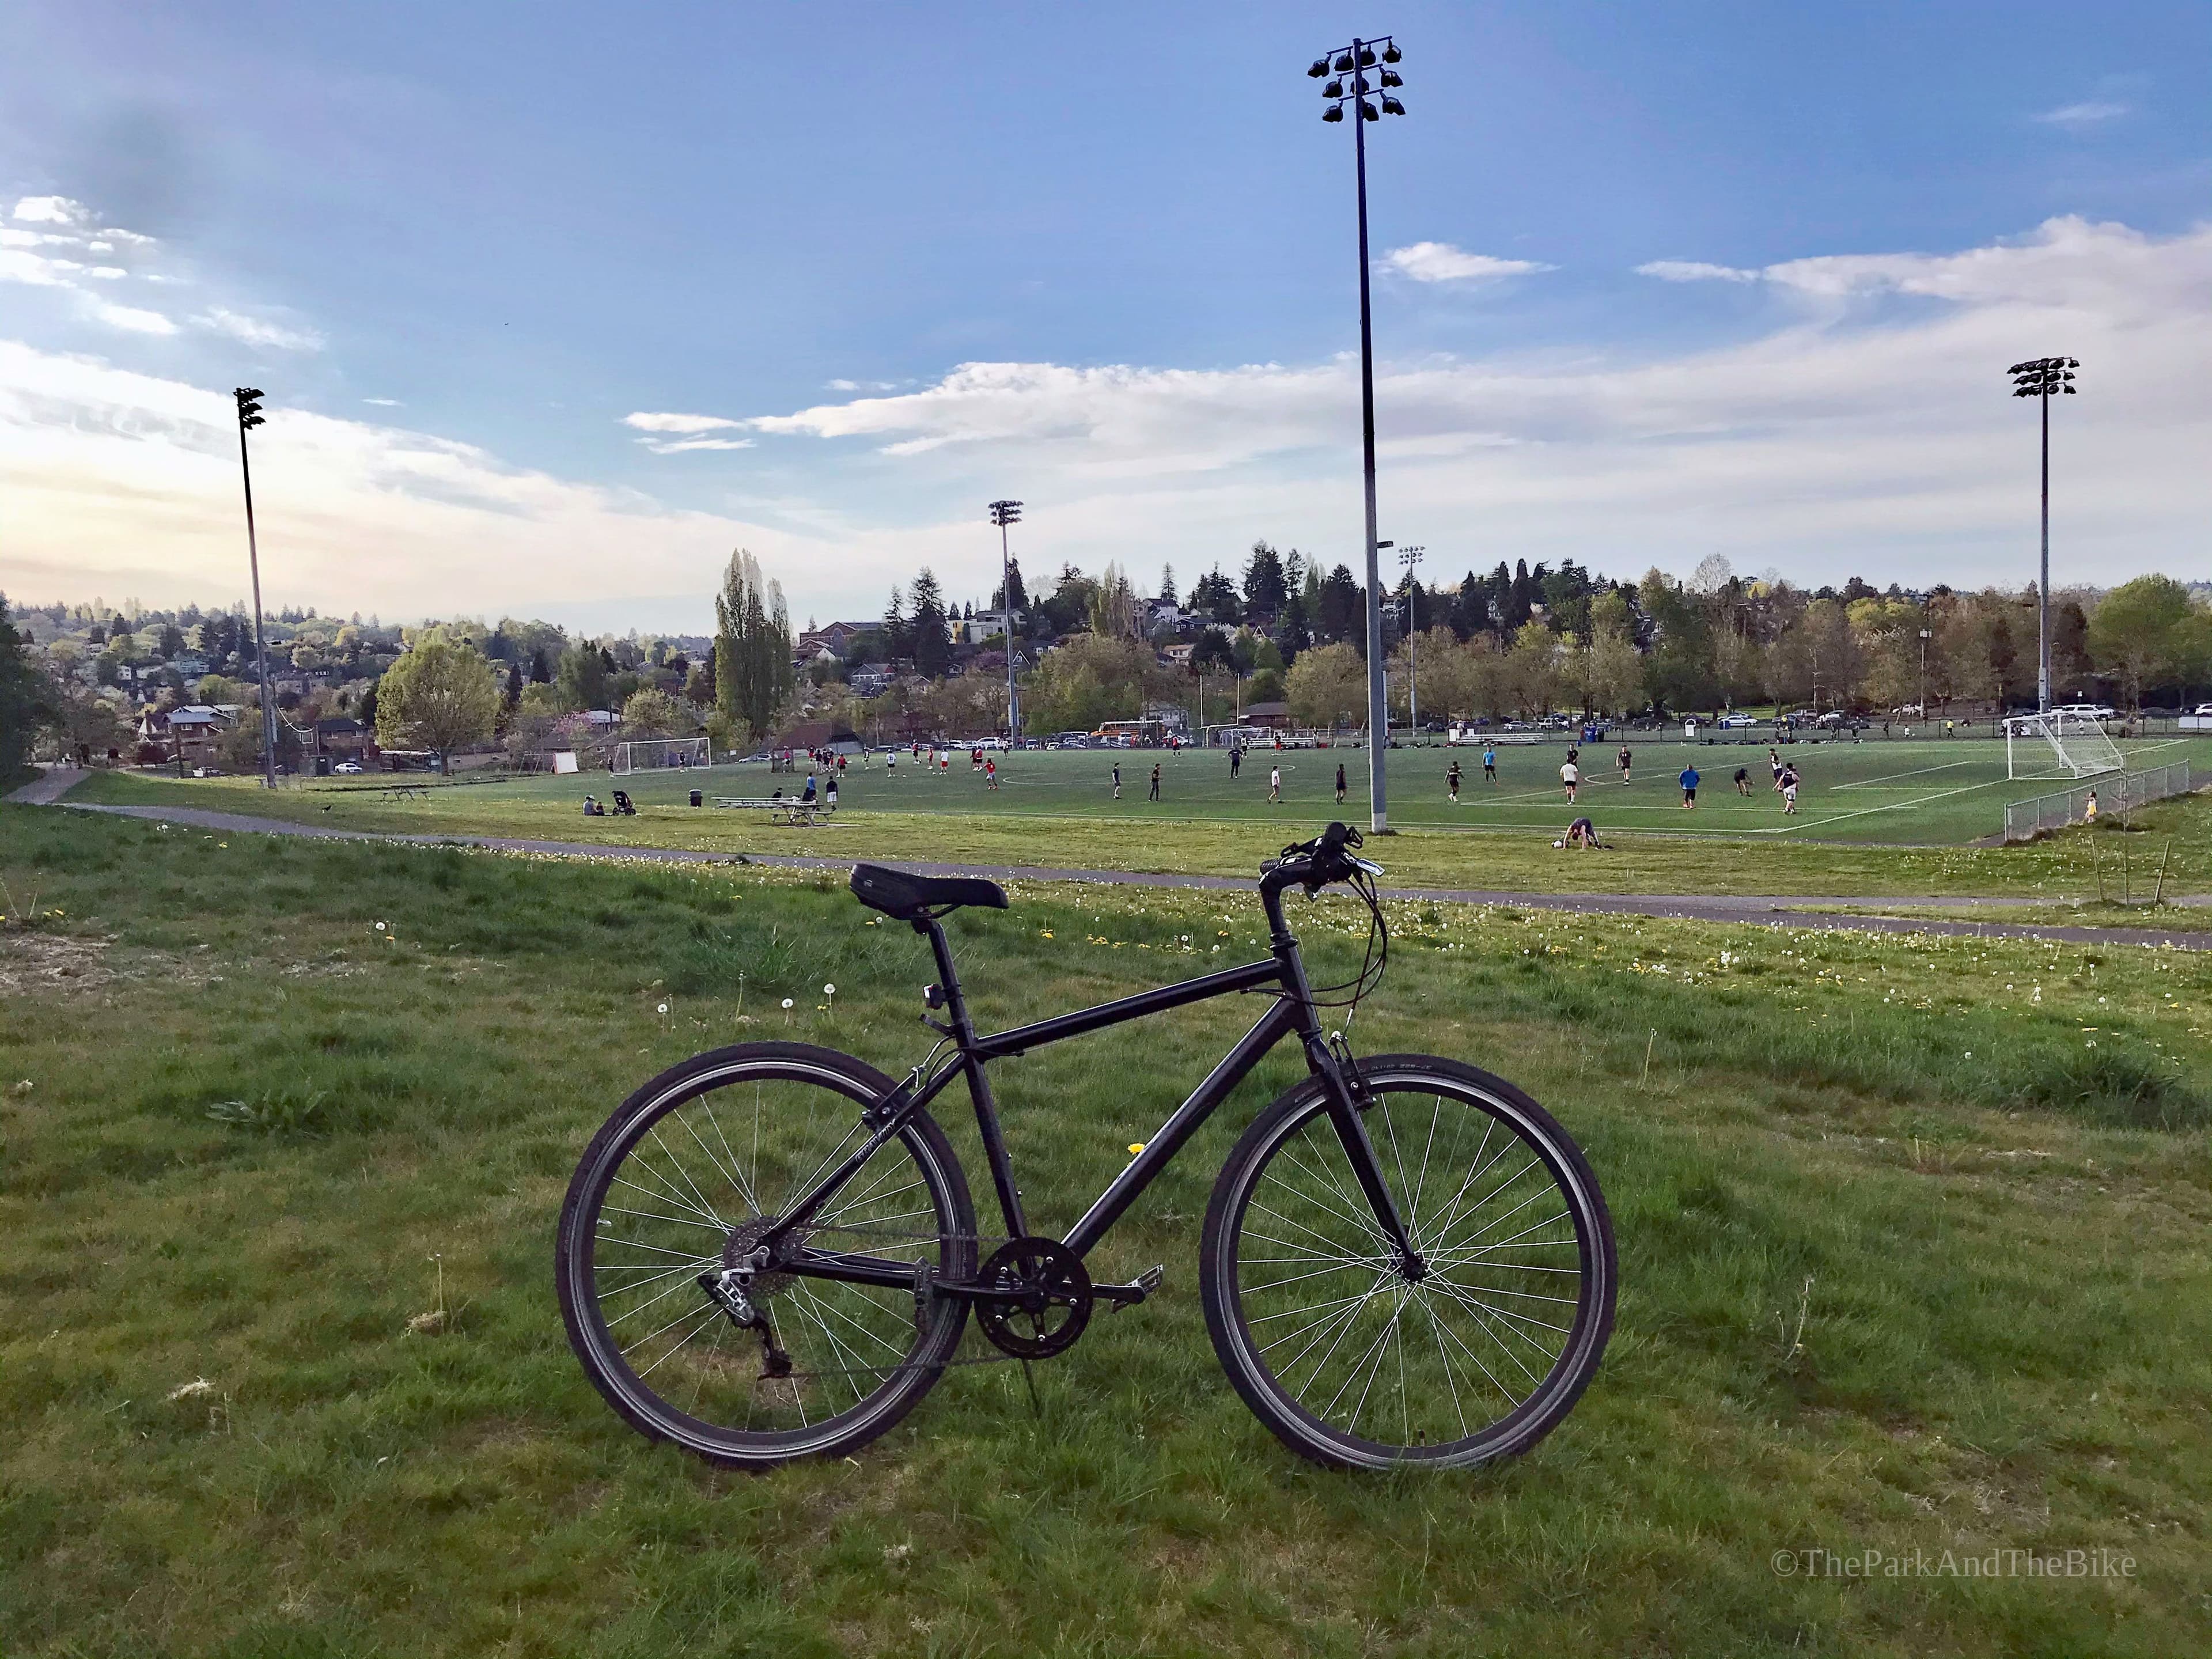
column 644, row 422
column 1440, row 261
column 131, row 320
column 677, row 446
column 1694, row 270
column 1853, row 435
column 33, row 269
column 2087, row 114
column 383, row 402
column 259, row 332
column 52, row 210
column 108, row 273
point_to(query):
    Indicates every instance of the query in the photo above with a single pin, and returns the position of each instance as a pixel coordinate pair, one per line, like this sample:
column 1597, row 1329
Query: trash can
column 697, row 800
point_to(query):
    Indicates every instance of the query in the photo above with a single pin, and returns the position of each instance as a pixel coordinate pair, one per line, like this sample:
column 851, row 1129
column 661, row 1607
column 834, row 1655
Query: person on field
column 1790, row 789
column 1339, row 782
column 2089, row 815
column 1689, row 782
column 1742, row 780
column 1274, row 784
column 1117, row 780
column 1451, row 782
column 1572, row 776
column 830, row 791
column 807, row 793
column 1489, row 763
column 991, row 774
column 1155, row 793
column 1581, row 833
column 1774, row 765
column 1235, row 760
column 1624, row 760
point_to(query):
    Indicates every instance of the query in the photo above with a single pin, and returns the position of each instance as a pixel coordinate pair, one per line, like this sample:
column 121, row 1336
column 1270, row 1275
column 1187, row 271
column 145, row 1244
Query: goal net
column 662, row 754
column 2059, row 746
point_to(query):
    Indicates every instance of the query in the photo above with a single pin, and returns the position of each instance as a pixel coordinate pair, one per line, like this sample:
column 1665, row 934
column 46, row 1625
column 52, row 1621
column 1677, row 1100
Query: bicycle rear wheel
column 682, row 1180
column 1347, row 1359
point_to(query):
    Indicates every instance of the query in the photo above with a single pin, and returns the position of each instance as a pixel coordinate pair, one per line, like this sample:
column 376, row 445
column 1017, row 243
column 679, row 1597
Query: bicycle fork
column 1340, row 1082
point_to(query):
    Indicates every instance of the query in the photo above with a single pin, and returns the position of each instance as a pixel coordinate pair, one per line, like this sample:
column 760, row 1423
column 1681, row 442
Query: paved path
column 47, row 790
column 1769, row 911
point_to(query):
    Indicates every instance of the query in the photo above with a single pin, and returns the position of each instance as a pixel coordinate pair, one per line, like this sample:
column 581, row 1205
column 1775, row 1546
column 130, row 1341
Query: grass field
column 1913, row 1258
column 955, row 819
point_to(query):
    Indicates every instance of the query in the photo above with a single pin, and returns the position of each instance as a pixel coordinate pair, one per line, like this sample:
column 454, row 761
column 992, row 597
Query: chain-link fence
column 2119, row 793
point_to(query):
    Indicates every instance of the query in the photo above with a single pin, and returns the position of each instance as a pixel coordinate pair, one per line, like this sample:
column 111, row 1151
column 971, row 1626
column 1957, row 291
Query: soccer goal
column 2059, row 746
column 662, row 754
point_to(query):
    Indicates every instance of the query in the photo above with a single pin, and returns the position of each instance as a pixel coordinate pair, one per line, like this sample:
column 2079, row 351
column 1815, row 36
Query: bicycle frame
column 1291, row 1012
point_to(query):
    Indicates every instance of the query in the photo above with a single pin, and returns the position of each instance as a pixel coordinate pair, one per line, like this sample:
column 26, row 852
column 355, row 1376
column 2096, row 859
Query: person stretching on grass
column 1623, row 760
column 1689, row 782
column 1339, row 782
column 1274, row 785
column 1451, row 782
column 1489, row 764
column 1572, row 776
column 1581, row 833
column 1155, row 795
column 1117, row 780
column 1742, row 780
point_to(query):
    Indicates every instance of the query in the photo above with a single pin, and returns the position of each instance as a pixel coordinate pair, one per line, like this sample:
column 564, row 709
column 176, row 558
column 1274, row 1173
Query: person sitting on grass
column 593, row 809
column 1581, row 833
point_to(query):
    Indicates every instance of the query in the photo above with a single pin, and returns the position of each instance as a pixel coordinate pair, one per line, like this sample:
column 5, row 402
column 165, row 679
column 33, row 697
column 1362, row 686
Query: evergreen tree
column 752, row 644
column 898, row 639
column 24, row 703
column 1341, row 618
column 1265, row 585
column 1167, row 584
column 541, row 672
column 932, row 645
column 514, row 684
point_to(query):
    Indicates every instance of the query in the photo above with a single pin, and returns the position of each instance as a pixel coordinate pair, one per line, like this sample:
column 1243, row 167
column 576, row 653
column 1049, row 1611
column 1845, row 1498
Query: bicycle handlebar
column 1314, row 864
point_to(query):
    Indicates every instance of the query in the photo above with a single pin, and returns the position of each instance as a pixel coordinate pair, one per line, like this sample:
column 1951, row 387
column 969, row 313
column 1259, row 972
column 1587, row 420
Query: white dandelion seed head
column 828, row 990
column 786, row 1002
column 663, row 1007
column 380, row 926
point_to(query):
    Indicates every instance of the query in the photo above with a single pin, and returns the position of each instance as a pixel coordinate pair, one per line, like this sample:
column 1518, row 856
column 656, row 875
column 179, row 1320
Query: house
column 343, row 739
column 834, row 640
column 192, row 732
column 869, row 682
column 1273, row 716
column 1177, row 656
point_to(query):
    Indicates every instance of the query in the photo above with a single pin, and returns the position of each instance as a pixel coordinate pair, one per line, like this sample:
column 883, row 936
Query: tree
column 650, row 713
column 540, row 673
column 1215, row 598
column 1533, row 668
column 1167, row 584
column 1091, row 678
column 752, row 644
column 1265, row 585
column 443, row 695
column 583, row 678
column 933, row 638
column 1327, row 686
column 1113, row 606
column 1341, row 618
column 26, row 702
column 2143, row 633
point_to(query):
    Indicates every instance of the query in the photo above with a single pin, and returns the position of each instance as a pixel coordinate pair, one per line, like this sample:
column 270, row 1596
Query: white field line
column 1892, row 806
column 1891, row 777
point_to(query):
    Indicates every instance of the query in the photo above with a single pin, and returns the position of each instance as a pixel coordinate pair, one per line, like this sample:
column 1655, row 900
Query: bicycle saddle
column 910, row 898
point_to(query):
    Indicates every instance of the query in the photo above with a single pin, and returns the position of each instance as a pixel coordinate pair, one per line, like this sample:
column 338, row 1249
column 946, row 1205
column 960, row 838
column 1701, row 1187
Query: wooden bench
column 788, row 810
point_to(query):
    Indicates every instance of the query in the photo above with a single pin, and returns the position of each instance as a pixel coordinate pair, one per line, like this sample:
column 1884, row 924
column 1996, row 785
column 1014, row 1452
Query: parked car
column 2087, row 711
column 2204, row 711
column 347, row 769
column 1734, row 722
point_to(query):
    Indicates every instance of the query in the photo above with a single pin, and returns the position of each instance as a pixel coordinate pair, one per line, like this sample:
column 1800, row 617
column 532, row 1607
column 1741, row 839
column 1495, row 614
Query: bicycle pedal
column 1117, row 1297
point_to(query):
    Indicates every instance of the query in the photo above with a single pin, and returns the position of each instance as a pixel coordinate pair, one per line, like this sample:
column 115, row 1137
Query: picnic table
column 785, row 810
column 403, row 792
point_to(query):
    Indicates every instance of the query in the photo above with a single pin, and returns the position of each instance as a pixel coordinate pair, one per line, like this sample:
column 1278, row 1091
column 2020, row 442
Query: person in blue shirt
column 1690, row 788
column 1489, row 764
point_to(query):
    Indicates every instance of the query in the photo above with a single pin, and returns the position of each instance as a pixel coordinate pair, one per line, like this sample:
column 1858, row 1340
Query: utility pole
column 249, row 416
column 1002, row 514
column 1352, row 64
column 1925, row 636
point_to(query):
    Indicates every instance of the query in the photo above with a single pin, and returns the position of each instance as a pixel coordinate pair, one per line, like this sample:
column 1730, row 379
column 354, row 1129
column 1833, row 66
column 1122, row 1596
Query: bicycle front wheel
column 681, row 1181
column 1349, row 1360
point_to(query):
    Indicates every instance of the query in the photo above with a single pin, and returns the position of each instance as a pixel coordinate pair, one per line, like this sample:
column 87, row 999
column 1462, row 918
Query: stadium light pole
column 1351, row 65
column 1408, row 558
column 1002, row 514
column 249, row 416
column 2043, row 379
column 1926, row 635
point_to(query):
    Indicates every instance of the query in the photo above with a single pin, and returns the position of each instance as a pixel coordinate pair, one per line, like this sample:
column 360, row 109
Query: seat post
column 947, row 976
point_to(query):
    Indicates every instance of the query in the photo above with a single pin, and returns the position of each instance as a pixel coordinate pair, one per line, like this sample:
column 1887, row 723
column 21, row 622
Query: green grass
column 1131, row 836
column 1906, row 1263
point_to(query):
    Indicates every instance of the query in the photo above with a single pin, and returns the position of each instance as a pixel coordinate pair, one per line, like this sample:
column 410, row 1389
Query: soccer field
column 1916, row 792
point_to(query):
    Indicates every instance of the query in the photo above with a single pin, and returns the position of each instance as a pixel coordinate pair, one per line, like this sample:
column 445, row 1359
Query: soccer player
column 1155, row 794
column 1689, row 782
column 1774, row 765
column 1235, row 760
column 991, row 774
column 1790, row 789
column 1623, row 760
column 1581, row 833
column 1742, row 780
column 1572, row 776
column 1117, row 780
column 1339, row 782
column 1274, row 785
column 1451, row 782
column 1489, row 763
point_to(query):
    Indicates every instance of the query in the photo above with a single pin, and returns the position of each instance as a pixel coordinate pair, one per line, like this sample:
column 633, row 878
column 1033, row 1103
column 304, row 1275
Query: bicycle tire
column 1487, row 1310
column 844, row 1341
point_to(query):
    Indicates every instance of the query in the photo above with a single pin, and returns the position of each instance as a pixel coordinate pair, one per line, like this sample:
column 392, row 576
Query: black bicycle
column 770, row 1251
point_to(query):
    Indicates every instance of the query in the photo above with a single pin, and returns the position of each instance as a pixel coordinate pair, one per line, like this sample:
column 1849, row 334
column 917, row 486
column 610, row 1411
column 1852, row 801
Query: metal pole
column 1006, row 628
column 1378, row 713
column 260, row 646
column 2043, row 588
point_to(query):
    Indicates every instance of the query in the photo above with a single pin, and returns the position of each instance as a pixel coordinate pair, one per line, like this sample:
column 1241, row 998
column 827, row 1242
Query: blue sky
column 1650, row 282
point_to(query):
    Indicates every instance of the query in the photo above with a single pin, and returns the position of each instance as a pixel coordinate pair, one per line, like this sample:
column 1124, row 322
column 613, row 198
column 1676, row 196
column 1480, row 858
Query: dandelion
column 380, row 926
column 830, row 991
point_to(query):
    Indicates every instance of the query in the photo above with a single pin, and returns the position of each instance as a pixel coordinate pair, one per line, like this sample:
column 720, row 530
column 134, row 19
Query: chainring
column 1046, row 1301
